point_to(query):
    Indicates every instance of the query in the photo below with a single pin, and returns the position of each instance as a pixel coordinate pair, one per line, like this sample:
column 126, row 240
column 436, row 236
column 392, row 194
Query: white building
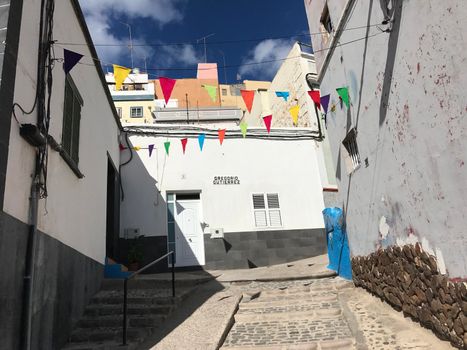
column 63, row 239
column 400, row 148
column 135, row 101
column 297, row 75
column 249, row 202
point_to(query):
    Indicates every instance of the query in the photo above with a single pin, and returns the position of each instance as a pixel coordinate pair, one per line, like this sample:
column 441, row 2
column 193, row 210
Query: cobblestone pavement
column 327, row 313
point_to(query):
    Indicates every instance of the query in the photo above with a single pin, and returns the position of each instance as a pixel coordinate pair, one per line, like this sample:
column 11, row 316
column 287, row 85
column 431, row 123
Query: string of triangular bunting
column 72, row 58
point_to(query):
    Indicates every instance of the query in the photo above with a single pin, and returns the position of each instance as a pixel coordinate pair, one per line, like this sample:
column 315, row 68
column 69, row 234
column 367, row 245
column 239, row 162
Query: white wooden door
column 189, row 241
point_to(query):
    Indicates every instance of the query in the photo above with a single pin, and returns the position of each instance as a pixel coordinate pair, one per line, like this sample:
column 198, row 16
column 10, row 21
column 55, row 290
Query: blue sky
column 158, row 22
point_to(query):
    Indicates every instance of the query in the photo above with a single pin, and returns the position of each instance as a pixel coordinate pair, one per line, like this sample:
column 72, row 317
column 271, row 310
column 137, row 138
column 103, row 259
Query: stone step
column 142, row 282
column 109, row 334
column 115, row 300
column 132, row 309
column 289, row 299
column 343, row 344
column 116, row 321
column 109, row 345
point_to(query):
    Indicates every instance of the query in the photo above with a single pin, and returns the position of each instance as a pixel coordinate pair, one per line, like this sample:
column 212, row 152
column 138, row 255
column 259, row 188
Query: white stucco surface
column 414, row 141
column 288, row 168
column 75, row 210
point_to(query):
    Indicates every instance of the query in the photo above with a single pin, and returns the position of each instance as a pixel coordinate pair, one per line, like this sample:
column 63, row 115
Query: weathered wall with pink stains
column 412, row 183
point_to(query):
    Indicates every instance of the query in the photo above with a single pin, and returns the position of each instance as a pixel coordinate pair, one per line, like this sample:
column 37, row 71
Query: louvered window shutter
column 259, row 207
column 274, row 211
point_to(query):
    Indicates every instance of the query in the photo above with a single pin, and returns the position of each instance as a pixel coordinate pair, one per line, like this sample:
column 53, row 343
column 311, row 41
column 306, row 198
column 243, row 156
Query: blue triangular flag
column 201, row 141
column 283, row 94
column 150, row 148
column 70, row 59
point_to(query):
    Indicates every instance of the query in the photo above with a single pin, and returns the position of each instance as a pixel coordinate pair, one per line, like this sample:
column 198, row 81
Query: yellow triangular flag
column 137, row 148
column 294, row 113
column 120, row 74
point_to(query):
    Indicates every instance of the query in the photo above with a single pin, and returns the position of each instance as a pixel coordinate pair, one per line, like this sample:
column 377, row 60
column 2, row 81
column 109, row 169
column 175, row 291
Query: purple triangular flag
column 150, row 148
column 70, row 59
column 325, row 102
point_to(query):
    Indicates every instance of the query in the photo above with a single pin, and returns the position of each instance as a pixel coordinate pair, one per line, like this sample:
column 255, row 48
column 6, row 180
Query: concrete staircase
column 150, row 302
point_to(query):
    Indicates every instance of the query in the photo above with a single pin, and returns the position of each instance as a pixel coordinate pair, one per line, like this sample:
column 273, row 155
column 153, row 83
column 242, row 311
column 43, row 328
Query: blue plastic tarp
column 338, row 244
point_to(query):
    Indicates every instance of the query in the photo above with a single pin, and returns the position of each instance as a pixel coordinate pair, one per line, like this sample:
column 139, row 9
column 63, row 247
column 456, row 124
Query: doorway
column 113, row 211
column 189, row 238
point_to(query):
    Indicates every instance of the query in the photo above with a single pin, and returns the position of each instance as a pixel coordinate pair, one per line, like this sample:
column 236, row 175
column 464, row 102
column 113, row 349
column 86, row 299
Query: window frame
column 351, row 147
column 135, row 107
column 266, row 209
column 71, row 154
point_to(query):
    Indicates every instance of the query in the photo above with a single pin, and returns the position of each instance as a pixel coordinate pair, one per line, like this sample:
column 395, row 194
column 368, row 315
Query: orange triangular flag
column 248, row 97
column 221, row 135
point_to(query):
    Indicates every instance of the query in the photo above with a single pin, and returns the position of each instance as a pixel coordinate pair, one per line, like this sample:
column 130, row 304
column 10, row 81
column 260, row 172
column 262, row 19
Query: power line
column 234, row 41
column 235, row 65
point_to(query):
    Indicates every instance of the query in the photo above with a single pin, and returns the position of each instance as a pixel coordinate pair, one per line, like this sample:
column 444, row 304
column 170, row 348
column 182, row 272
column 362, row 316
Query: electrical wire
column 218, row 42
column 103, row 63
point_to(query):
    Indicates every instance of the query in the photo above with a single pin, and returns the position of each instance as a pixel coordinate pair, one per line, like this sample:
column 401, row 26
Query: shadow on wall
column 142, row 190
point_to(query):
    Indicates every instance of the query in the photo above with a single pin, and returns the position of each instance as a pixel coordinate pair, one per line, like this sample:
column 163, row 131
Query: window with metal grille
column 136, row 112
column 326, row 20
column 350, row 144
column 266, row 210
column 71, row 121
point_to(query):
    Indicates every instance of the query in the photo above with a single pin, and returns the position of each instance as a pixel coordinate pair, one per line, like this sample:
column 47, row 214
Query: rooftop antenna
column 131, row 43
column 204, row 41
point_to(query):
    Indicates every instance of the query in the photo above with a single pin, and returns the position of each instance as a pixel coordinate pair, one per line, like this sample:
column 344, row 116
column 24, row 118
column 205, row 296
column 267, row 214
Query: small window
column 136, row 112
column 224, row 92
column 350, row 145
column 119, row 111
column 326, row 20
column 71, row 121
column 267, row 210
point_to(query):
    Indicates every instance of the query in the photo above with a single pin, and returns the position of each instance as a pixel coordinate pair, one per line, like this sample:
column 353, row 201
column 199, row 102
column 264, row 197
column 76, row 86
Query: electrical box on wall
column 131, row 233
column 217, row 233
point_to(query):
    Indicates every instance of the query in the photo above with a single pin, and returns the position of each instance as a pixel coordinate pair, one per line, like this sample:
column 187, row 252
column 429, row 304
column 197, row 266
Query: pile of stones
column 408, row 278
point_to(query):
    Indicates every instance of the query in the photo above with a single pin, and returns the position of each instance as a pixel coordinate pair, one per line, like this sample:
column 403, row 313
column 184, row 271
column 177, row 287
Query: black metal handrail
column 134, row 274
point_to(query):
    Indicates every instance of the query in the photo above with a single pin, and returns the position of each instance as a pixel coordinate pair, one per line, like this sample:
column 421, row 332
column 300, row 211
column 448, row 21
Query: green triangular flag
column 167, row 146
column 212, row 91
column 343, row 93
column 244, row 128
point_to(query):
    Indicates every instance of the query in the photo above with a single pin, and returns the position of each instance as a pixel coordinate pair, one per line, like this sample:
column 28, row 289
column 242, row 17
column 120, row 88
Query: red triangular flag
column 267, row 121
column 184, row 141
column 167, row 85
column 248, row 97
column 315, row 96
column 122, row 148
column 221, row 135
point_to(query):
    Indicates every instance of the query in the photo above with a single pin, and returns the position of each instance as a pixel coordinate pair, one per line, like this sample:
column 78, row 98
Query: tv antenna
column 203, row 39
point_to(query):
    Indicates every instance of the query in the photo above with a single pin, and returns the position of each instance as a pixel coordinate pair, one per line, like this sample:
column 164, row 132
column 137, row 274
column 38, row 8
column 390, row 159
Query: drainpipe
column 30, row 260
column 335, row 39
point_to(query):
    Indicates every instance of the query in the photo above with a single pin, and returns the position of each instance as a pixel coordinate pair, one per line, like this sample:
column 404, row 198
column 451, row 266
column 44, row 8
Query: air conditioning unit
column 217, row 233
column 131, row 233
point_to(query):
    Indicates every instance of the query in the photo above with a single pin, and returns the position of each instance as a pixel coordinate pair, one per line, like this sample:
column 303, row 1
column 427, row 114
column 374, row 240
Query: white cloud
column 266, row 50
column 100, row 14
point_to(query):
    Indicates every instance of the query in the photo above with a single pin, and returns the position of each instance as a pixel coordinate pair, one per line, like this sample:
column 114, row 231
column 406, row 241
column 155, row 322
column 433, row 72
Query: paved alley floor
column 328, row 313
column 260, row 309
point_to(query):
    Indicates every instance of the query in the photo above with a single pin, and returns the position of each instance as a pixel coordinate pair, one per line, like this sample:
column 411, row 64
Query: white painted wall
column 75, row 210
column 416, row 177
column 291, row 77
column 288, row 168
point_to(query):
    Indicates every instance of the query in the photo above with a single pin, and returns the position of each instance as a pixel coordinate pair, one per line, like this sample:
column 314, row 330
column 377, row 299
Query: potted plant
column 135, row 255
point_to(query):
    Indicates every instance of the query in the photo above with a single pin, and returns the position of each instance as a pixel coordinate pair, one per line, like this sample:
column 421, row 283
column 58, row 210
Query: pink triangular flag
column 167, row 85
column 184, row 141
column 248, row 97
column 221, row 135
column 315, row 96
column 267, row 121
